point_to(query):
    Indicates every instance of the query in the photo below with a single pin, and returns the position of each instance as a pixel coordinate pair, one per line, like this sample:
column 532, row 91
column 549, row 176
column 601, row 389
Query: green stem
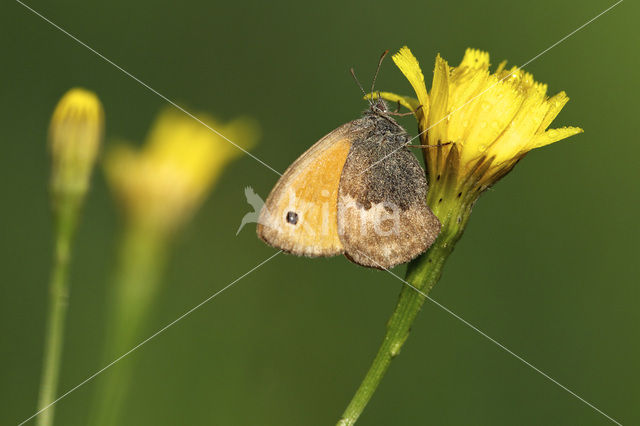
column 141, row 261
column 423, row 273
column 65, row 221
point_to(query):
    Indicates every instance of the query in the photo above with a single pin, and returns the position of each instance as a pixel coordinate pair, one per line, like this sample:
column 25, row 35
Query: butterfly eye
column 292, row 218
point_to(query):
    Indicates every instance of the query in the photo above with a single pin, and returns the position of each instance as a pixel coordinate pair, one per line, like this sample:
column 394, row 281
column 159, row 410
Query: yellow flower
column 162, row 184
column 489, row 121
column 75, row 133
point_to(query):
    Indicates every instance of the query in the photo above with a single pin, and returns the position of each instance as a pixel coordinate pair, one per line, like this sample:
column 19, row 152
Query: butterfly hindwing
column 383, row 218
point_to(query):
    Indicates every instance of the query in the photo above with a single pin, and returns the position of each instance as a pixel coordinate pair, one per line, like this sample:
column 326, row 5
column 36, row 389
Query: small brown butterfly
column 358, row 191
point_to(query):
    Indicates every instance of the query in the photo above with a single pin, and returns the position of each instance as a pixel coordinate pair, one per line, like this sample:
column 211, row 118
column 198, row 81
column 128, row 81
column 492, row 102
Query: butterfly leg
column 403, row 114
column 431, row 146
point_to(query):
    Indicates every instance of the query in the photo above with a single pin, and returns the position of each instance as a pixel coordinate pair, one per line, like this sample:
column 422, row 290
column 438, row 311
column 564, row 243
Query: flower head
column 487, row 121
column 75, row 133
column 164, row 182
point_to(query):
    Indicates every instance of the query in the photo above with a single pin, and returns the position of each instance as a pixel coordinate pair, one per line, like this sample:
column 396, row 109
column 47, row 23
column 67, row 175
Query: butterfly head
column 378, row 107
column 379, row 111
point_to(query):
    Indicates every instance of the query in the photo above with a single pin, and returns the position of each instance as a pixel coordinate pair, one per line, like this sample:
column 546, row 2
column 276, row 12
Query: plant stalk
column 142, row 255
column 65, row 223
column 422, row 273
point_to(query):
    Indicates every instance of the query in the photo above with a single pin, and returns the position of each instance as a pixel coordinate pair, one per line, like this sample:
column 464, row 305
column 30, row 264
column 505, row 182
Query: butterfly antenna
column 353, row 73
column 375, row 77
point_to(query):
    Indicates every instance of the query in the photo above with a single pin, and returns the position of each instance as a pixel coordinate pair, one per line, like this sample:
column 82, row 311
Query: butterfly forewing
column 299, row 215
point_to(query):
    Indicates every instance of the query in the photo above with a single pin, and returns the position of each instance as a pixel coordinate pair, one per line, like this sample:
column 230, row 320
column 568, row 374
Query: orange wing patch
column 300, row 215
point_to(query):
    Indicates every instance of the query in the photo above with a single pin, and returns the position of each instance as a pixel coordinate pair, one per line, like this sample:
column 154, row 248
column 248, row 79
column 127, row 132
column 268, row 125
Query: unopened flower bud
column 75, row 133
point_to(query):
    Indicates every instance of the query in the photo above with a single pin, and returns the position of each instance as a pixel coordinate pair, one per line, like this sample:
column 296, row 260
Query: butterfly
column 358, row 191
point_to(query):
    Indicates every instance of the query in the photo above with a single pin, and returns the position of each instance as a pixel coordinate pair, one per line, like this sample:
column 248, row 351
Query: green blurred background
column 548, row 265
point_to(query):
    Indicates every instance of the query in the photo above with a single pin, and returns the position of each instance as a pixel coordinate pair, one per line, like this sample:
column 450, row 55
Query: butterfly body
column 358, row 191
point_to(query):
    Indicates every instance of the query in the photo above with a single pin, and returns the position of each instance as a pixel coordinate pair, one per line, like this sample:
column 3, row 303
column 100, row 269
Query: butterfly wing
column 300, row 215
column 383, row 218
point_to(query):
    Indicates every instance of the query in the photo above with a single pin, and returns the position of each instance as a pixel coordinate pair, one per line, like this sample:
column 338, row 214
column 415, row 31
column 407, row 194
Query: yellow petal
column 468, row 84
column 244, row 131
column 496, row 107
column 518, row 136
column 554, row 135
column 474, row 58
column 408, row 64
column 466, row 89
column 439, row 103
column 501, row 67
column 556, row 103
column 406, row 101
